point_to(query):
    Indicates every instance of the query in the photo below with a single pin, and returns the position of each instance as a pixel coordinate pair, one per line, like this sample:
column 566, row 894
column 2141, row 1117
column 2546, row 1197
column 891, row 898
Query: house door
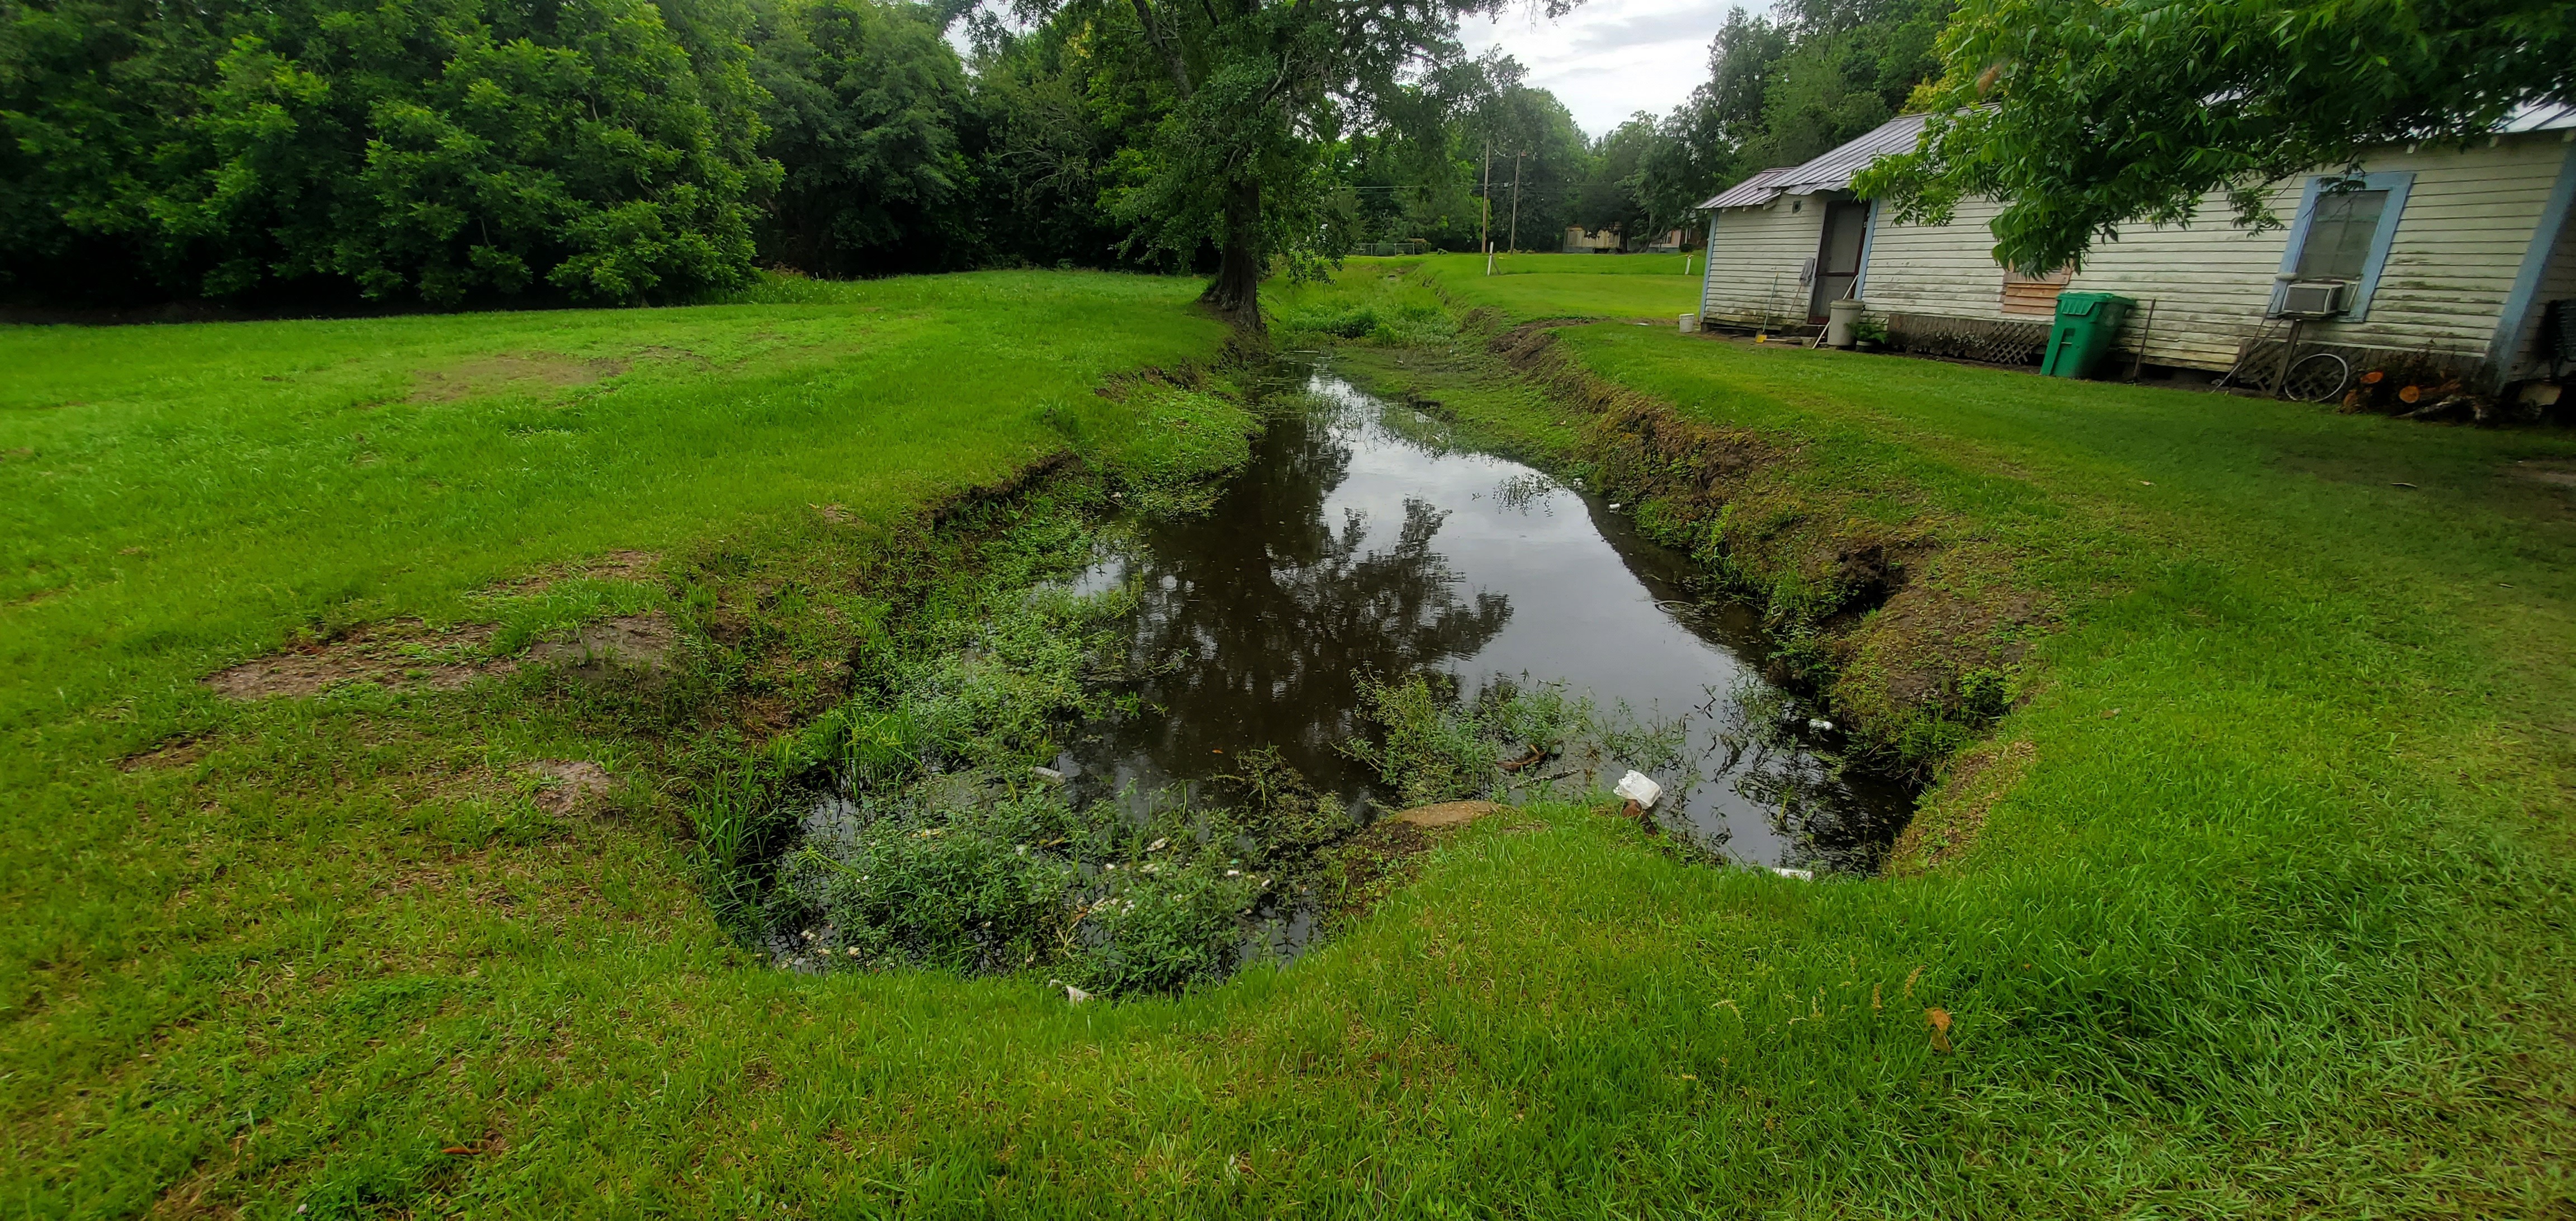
column 1838, row 256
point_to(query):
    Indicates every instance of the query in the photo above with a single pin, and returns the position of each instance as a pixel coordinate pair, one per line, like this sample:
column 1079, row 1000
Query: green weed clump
column 1427, row 753
column 1433, row 746
column 957, row 889
column 1013, row 877
column 1159, row 927
column 990, row 694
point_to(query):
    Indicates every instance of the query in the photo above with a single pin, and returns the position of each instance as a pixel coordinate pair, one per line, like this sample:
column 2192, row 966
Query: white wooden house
column 2442, row 253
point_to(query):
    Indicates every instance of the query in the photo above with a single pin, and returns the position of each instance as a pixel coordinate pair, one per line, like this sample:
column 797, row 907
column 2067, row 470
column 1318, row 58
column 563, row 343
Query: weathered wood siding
column 1754, row 255
column 2467, row 222
column 2467, row 226
column 1946, row 270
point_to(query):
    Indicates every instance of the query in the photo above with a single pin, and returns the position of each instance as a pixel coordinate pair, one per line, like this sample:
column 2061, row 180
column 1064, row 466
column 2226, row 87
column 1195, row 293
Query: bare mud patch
column 671, row 355
column 567, row 786
column 2557, row 474
column 490, row 375
column 1448, row 813
column 628, row 642
column 176, row 752
column 403, row 655
column 624, row 565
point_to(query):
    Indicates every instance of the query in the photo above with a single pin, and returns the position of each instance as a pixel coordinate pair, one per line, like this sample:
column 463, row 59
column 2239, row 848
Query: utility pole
column 1516, row 203
column 1485, row 210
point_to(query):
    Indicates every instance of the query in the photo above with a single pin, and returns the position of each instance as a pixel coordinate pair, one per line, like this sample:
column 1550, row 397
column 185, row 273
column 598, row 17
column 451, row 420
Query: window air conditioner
column 2314, row 298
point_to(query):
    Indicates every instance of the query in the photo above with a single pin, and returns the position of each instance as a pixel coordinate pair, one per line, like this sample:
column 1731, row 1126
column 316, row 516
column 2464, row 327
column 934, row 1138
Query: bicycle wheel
column 2317, row 377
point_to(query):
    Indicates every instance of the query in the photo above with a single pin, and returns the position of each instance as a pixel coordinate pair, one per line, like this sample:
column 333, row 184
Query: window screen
column 2340, row 233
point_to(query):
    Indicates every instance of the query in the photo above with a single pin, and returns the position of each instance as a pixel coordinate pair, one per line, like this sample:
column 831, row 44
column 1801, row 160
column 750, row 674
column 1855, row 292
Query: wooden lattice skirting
column 1985, row 340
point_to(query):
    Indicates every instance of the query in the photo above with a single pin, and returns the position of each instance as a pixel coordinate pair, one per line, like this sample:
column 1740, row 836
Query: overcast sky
column 1610, row 58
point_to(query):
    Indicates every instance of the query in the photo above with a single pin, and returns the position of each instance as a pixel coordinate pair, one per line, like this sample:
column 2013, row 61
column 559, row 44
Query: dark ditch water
column 1360, row 541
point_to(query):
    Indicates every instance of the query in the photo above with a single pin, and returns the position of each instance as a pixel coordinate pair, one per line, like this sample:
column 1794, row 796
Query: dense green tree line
column 475, row 150
column 447, row 152
column 1781, row 89
column 436, row 150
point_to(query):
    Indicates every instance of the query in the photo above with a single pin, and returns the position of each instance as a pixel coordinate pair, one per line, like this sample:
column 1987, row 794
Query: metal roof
column 2539, row 116
column 1830, row 171
column 1752, row 192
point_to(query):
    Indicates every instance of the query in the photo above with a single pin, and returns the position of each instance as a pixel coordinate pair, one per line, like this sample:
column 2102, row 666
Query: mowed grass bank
column 2236, row 950
column 178, row 496
column 179, row 499
column 1644, row 286
column 2267, row 871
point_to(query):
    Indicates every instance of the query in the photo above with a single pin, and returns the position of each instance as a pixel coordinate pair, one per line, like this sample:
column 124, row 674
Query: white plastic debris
column 1637, row 788
column 1075, row 995
column 1614, row 506
column 1048, row 774
column 1690, row 324
column 1819, row 723
column 1802, row 875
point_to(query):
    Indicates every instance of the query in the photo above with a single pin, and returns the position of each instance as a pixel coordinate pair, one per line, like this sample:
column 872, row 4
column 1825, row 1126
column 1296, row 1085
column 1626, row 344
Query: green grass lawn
column 179, row 496
column 2268, row 918
column 1655, row 286
column 1527, row 263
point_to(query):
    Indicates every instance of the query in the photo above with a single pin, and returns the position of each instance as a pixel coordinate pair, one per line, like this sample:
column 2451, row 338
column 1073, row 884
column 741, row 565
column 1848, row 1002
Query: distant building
column 1579, row 240
column 2437, row 252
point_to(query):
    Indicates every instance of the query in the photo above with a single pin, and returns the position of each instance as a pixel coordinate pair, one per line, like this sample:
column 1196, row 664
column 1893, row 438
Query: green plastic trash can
column 2086, row 325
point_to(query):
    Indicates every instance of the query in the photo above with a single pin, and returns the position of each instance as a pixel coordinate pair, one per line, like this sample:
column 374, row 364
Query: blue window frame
column 2349, row 241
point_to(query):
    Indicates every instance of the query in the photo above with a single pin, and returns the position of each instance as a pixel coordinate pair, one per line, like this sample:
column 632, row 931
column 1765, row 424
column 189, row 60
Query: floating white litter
column 1637, row 788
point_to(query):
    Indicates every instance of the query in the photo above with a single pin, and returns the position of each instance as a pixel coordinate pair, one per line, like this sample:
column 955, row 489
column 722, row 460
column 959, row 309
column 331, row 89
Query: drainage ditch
column 1241, row 700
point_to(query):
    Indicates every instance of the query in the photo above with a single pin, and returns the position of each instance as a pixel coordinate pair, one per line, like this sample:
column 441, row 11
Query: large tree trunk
column 1236, row 291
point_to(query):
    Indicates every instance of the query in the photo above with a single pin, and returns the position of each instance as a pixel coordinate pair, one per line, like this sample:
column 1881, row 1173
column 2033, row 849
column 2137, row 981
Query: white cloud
column 1610, row 58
